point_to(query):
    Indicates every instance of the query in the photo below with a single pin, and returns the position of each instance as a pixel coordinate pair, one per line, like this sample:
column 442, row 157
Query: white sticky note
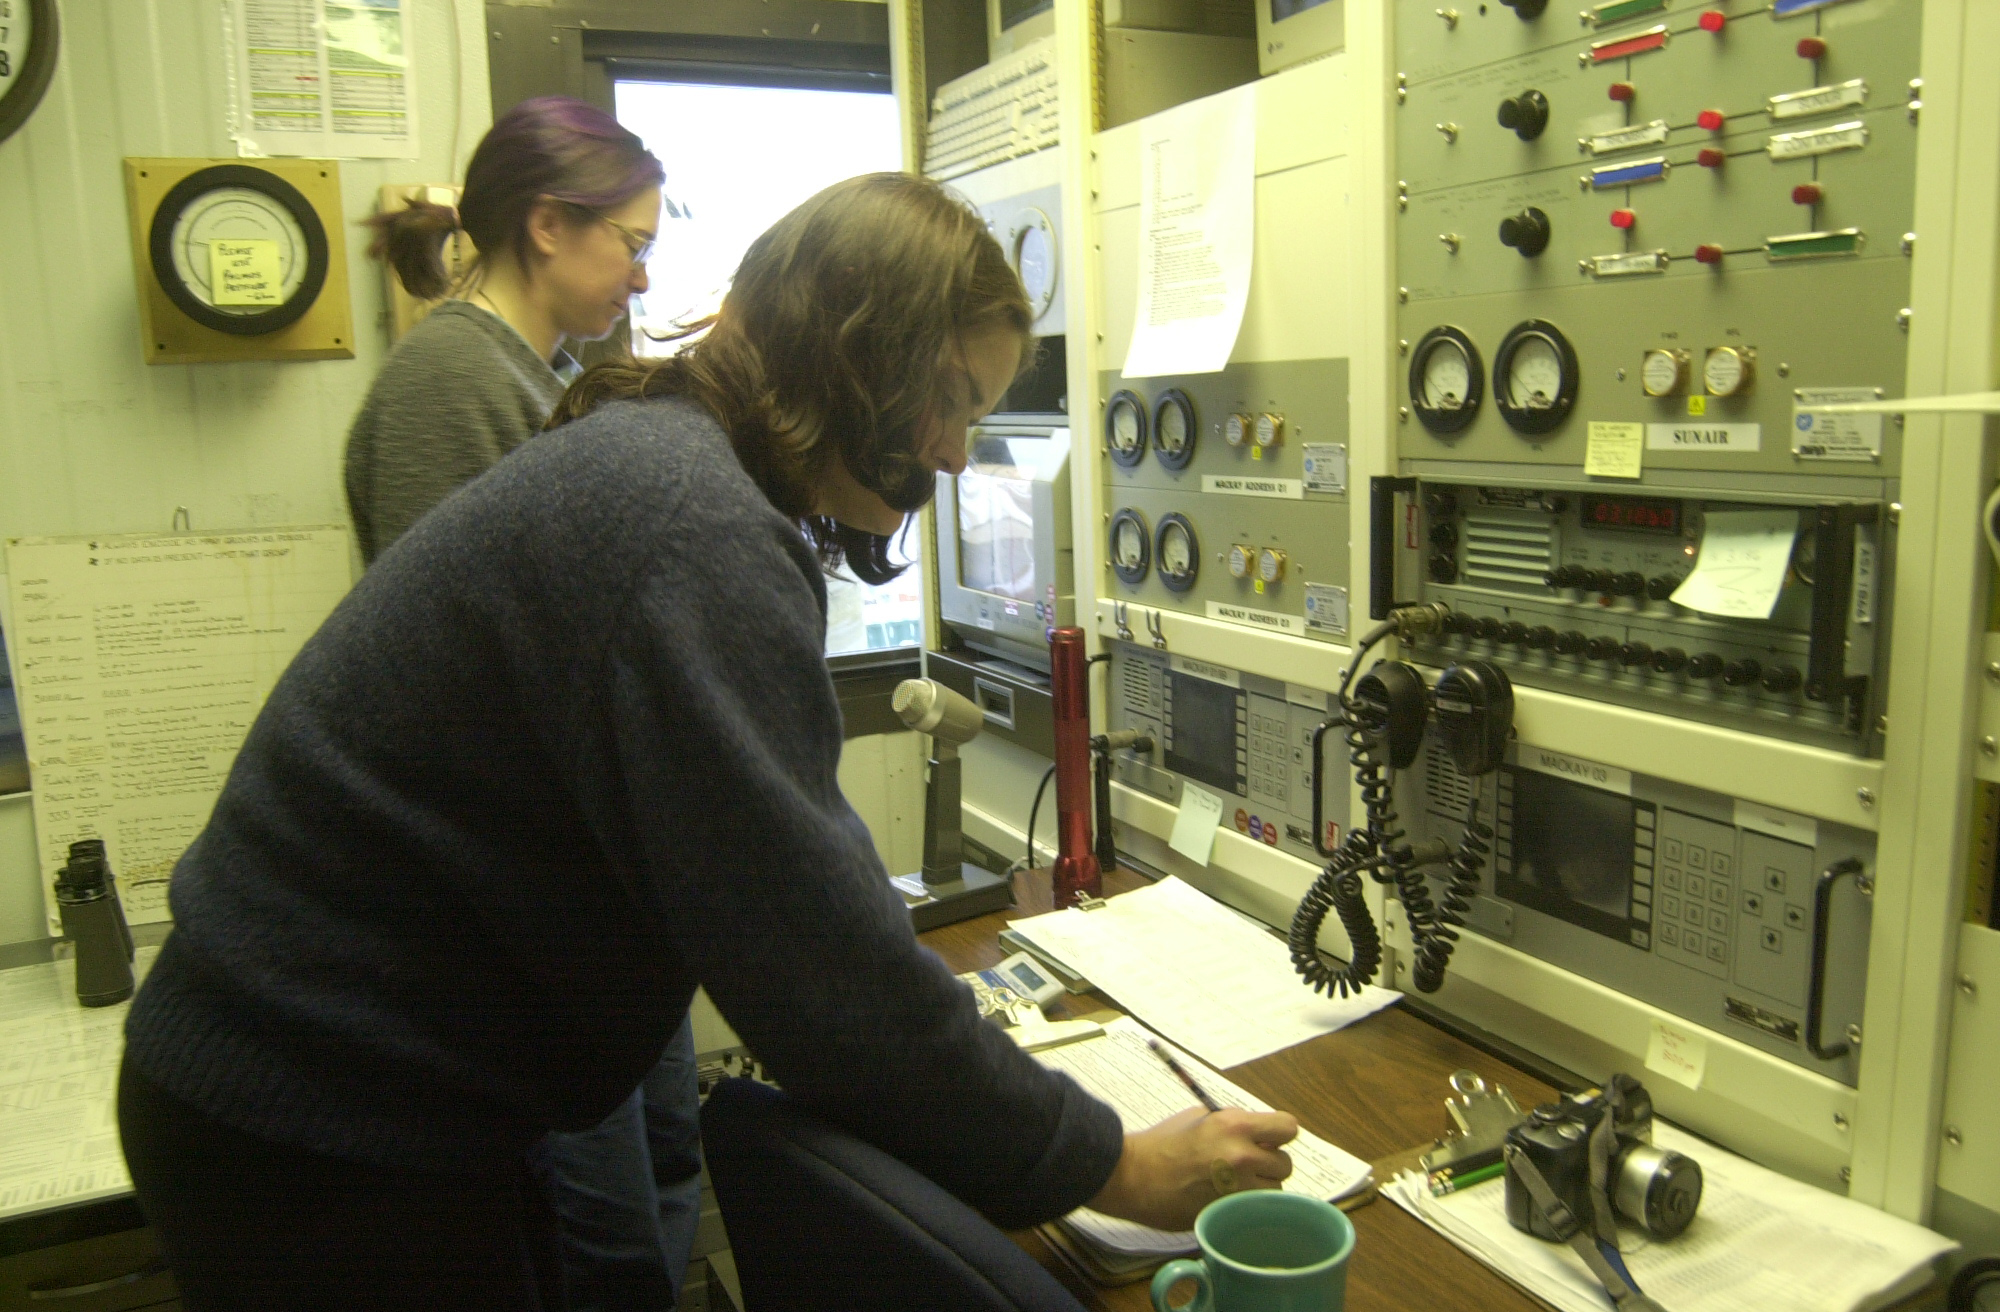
column 1615, row 450
column 1678, row 1054
column 1194, row 827
column 1744, row 554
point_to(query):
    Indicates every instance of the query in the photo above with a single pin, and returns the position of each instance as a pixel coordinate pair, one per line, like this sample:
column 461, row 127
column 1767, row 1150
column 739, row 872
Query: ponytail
column 412, row 241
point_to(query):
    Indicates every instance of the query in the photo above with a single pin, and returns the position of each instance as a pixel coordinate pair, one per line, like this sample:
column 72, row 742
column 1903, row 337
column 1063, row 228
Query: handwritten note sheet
column 1197, row 229
column 1744, row 554
column 142, row 661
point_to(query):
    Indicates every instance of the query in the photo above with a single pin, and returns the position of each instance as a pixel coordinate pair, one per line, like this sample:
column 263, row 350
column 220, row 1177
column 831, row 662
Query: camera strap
column 1570, row 1229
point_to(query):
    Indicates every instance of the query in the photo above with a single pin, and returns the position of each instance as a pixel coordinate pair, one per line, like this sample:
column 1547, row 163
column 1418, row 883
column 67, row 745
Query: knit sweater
column 566, row 751
column 460, row 391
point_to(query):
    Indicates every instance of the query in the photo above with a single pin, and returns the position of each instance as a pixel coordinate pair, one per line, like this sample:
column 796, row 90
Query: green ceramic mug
column 1264, row 1251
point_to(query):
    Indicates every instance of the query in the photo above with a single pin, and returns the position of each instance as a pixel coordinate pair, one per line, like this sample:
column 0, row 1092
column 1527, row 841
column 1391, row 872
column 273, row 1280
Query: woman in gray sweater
column 562, row 205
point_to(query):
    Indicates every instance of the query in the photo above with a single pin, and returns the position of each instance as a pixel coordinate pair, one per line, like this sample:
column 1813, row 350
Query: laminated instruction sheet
column 328, row 79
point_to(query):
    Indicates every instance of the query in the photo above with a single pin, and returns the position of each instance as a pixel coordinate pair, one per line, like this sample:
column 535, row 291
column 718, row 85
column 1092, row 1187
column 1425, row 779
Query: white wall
column 91, row 438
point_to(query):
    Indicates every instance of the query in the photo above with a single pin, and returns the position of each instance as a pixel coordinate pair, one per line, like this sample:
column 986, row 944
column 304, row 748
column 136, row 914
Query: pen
column 1445, row 1183
column 1185, row 1078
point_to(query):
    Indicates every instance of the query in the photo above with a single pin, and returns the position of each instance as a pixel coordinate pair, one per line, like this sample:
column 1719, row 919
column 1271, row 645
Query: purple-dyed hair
column 550, row 146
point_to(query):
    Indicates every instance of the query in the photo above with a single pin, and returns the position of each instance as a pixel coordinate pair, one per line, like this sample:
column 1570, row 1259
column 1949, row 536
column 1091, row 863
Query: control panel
column 1750, row 921
column 1654, row 230
column 1226, row 495
column 1237, row 734
column 1627, row 598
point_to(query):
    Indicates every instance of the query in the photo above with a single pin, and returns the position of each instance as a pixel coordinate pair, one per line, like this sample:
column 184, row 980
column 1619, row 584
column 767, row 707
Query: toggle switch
column 1808, row 193
column 1710, row 120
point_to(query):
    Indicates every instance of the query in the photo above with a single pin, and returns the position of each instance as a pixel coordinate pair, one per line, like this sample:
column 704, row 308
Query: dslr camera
column 1595, row 1150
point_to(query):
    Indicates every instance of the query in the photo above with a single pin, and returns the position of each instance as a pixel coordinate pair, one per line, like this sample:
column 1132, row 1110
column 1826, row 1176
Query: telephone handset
column 1383, row 721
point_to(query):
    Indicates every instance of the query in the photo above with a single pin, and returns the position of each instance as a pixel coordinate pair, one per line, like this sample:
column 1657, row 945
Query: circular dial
column 28, row 36
column 1663, row 372
column 1447, row 380
column 1242, row 560
column 1125, row 429
column 1179, row 552
column 1131, row 547
column 1728, row 370
column 1033, row 255
column 238, row 249
column 1534, row 377
column 1270, row 565
column 1236, row 429
column 1174, row 429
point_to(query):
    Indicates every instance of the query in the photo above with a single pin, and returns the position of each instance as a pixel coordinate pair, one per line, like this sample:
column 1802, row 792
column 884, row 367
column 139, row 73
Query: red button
column 1811, row 47
column 1708, row 254
column 1622, row 91
column 1710, row 120
column 1623, row 218
column 1808, row 193
column 1711, row 159
column 1712, row 20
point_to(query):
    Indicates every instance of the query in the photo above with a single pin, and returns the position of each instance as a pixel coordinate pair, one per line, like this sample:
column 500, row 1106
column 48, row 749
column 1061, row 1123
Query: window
column 738, row 158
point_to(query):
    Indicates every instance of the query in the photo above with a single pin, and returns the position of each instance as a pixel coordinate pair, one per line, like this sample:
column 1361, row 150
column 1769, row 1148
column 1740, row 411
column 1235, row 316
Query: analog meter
column 238, row 249
column 1174, row 429
column 1729, row 370
column 1131, row 547
column 1447, row 380
column 1032, row 252
column 29, row 36
column 1125, row 428
column 1178, row 552
column 1534, row 377
column 1663, row 372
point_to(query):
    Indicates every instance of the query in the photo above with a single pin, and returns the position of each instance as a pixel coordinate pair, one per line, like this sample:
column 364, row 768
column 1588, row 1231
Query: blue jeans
column 628, row 1193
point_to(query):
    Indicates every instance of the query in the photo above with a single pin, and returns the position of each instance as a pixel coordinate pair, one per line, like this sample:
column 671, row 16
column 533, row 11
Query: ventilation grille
column 1507, row 546
column 1142, row 688
column 1446, row 791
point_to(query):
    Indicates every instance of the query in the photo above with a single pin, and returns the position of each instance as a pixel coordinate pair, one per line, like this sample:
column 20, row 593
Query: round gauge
column 1270, row 565
column 1032, row 252
column 1728, row 370
column 1236, row 429
column 238, row 249
column 1270, row 430
column 1534, row 377
column 29, row 34
column 1125, row 428
column 1178, row 551
column 1663, row 372
column 1173, row 429
column 1242, row 560
column 1447, row 380
column 1131, row 547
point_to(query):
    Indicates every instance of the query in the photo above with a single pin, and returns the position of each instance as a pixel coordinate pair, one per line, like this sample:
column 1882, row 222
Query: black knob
column 1635, row 653
column 1601, row 649
column 1661, row 586
column 1596, row 580
column 1705, row 666
column 1540, row 638
column 1555, row 505
column 1513, row 631
column 1526, row 10
column 1782, row 678
column 1527, row 232
column 1487, row 627
column 1668, row 659
column 1444, row 533
column 1443, row 568
column 1628, row 584
column 1440, row 505
column 1526, row 114
column 1569, row 642
column 1738, row 673
column 1457, row 623
column 1565, row 576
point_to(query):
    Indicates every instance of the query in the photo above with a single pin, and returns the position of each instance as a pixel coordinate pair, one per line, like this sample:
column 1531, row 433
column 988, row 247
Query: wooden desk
column 1374, row 1088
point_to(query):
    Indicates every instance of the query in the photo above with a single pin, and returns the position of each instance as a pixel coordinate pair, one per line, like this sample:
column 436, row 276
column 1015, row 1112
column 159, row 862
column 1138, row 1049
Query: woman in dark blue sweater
column 569, row 750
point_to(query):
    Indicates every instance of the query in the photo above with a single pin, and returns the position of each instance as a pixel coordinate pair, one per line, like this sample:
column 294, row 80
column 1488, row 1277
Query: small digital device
column 1005, row 562
column 1029, row 978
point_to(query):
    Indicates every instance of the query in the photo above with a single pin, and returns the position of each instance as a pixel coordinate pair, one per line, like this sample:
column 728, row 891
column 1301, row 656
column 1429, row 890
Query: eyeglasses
column 638, row 243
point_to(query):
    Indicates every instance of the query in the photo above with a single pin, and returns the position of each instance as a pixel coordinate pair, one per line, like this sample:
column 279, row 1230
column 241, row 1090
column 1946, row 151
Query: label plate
column 1269, row 620
column 1237, row 485
column 1543, row 761
column 1836, row 437
column 1704, row 437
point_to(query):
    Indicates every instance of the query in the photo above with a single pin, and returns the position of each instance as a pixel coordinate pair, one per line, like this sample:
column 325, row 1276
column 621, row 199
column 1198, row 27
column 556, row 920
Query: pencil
column 1446, row 1183
column 1185, row 1078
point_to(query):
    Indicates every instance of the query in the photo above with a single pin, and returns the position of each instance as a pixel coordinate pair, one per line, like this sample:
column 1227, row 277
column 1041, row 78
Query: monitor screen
column 996, row 521
column 1201, row 734
column 1283, row 9
column 1572, row 853
column 1013, row 11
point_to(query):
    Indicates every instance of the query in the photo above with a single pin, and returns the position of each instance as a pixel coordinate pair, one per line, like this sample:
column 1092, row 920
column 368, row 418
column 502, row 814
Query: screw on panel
column 1865, row 885
column 1989, row 746
column 1403, row 295
column 1403, row 348
column 1840, row 1122
column 1895, row 512
column 1903, row 319
column 1583, row 266
column 1402, row 414
column 1865, row 796
column 1953, row 1136
column 1968, row 986
column 1854, row 1036
column 1784, row 369
column 1881, row 724
column 1909, row 243
column 1847, row 1175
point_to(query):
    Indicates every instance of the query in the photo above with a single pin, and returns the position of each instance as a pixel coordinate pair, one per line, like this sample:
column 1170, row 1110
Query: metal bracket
column 1156, row 625
column 1121, row 615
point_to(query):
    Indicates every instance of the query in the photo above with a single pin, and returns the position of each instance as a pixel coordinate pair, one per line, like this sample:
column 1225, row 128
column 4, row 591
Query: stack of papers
column 1196, row 972
column 1762, row 1242
column 1122, row 1071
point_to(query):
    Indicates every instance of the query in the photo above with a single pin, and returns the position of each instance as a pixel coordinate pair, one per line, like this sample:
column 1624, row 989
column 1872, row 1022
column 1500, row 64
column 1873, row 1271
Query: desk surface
column 1375, row 1088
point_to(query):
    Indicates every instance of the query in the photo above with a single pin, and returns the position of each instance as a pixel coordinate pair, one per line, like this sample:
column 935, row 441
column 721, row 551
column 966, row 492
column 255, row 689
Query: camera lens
column 1657, row 1189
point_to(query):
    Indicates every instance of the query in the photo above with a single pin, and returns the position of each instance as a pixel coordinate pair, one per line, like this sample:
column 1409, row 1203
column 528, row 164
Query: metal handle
column 1319, row 787
column 996, row 702
column 49, row 1293
column 1816, row 987
column 1382, row 543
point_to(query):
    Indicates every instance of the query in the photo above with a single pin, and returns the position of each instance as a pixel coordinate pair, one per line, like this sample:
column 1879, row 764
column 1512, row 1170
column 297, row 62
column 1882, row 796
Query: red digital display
column 1635, row 514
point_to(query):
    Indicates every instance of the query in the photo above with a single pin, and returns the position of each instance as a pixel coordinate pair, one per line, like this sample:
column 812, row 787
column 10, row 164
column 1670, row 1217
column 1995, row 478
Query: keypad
column 1698, row 893
column 1270, row 754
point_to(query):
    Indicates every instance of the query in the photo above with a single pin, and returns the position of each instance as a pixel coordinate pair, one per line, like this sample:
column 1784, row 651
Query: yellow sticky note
column 1697, row 405
column 245, row 272
column 1680, row 1055
column 1615, row 450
